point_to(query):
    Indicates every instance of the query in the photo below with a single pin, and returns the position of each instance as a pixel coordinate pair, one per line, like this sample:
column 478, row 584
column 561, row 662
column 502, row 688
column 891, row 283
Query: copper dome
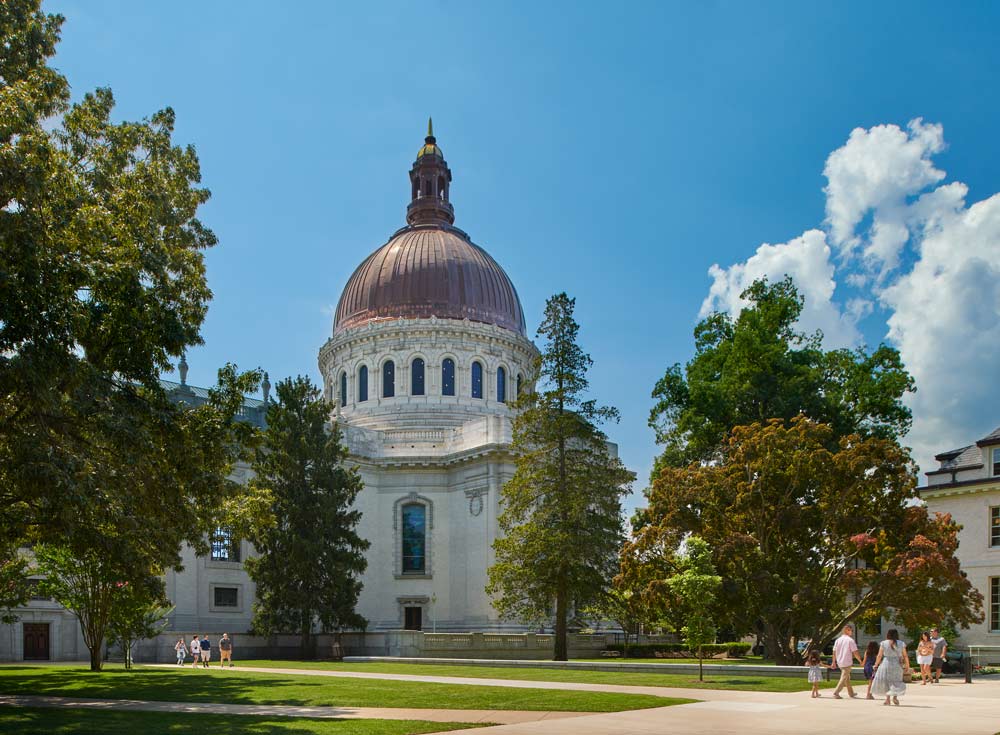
column 429, row 270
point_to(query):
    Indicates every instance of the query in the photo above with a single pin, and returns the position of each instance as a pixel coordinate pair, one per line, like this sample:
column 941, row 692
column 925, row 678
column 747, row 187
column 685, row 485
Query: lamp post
column 434, row 618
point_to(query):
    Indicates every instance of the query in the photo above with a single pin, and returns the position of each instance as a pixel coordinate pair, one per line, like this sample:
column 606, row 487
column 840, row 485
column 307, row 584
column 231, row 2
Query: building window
column 995, row 526
column 477, row 380
column 224, row 546
column 995, row 605
column 996, row 461
column 448, row 377
column 362, row 383
column 417, row 377
column 35, row 591
column 388, row 379
column 520, row 379
column 343, row 389
column 501, row 385
column 226, row 596
column 414, row 538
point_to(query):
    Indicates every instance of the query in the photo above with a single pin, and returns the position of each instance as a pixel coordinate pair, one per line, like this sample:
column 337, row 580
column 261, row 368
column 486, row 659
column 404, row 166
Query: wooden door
column 36, row 641
column 413, row 619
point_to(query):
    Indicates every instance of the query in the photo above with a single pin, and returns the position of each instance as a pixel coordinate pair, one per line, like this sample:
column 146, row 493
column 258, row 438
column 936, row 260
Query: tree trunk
column 778, row 645
column 701, row 674
column 306, row 646
column 95, row 658
column 561, row 648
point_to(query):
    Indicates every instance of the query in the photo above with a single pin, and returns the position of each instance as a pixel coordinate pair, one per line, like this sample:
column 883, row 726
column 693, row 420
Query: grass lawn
column 49, row 721
column 751, row 682
column 748, row 661
column 236, row 687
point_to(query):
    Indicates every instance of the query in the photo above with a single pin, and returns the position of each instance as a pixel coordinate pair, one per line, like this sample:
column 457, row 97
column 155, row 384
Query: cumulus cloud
column 807, row 259
column 941, row 303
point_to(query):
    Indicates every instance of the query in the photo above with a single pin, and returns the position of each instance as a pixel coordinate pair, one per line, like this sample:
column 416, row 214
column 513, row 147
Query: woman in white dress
column 892, row 668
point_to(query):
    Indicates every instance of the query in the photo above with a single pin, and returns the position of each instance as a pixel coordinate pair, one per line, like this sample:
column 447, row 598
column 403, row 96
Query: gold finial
column 430, row 127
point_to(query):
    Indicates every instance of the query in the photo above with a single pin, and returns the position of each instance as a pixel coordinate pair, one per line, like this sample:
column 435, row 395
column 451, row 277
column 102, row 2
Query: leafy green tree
column 561, row 512
column 14, row 586
column 96, row 589
column 808, row 538
column 310, row 555
column 757, row 367
column 695, row 587
column 135, row 616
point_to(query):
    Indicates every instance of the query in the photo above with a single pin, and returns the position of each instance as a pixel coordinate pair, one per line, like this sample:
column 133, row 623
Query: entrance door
column 413, row 618
column 36, row 641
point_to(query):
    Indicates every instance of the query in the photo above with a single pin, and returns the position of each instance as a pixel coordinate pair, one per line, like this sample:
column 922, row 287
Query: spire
column 266, row 386
column 430, row 179
column 182, row 368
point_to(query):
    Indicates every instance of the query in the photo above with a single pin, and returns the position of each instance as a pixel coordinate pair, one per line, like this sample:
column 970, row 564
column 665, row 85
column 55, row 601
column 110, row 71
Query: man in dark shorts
column 940, row 651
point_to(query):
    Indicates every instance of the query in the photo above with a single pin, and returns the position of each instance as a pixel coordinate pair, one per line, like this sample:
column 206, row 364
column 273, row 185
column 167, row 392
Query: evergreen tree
column 561, row 518
column 310, row 556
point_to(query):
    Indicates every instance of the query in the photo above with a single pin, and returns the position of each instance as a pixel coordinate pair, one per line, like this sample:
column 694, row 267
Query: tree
column 561, row 511
column 95, row 589
column 102, row 285
column 14, row 586
column 311, row 557
column 135, row 617
column 757, row 367
column 695, row 588
column 808, row 538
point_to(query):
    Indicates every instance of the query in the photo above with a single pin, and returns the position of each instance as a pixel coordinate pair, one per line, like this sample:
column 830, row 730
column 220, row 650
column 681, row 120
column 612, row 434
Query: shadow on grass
column 163, row 686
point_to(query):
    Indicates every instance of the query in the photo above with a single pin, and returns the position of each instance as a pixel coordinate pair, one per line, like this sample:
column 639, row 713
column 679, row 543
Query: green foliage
column 98, row 589
column 310, row 554
column 561, row 511
column 681, row 650
column 807, row 538
column 102, row 284
column 135, row 616
column 756, row 367
column 695, row 587
column 14, row 586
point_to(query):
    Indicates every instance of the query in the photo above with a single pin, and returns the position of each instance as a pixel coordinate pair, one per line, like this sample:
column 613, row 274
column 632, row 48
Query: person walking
column 206, row 650
column 195, row 649
column 181, row 651
column 940, row 651
column 892, row 668
column 925, row 657
column 871, row 653
column 845, row 651
column 815, row 676
column 225, row 650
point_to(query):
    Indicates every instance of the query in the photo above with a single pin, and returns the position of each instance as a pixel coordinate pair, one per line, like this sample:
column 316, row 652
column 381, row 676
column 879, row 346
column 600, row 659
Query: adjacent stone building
column 967, row 485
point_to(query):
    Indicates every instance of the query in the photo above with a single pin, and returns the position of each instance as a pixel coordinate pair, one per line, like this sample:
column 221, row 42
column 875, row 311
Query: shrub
column 680, row 650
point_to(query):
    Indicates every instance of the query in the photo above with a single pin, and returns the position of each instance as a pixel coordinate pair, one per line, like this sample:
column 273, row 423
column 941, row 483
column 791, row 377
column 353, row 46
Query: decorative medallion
column 476, row 500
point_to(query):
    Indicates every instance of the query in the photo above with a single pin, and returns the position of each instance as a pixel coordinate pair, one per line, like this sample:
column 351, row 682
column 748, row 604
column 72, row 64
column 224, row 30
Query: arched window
column 448, row 377
column 519, row 379
column 417, row 377
column 501, row 385
column 343, row 389
column 388, row 379
column 362, row 383
column 442, row 189
column 477, row 380
column 414, row 538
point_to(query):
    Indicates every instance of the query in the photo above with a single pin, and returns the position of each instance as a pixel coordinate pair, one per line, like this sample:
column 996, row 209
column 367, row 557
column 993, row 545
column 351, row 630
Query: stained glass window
column 362, row 383
column 448, row 377
column 414, row 538
column 417, row 377
column 388, row 379
column 477, row 380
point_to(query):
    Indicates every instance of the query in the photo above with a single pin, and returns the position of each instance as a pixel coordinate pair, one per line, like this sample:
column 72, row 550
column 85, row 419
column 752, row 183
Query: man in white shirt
column 845, row 650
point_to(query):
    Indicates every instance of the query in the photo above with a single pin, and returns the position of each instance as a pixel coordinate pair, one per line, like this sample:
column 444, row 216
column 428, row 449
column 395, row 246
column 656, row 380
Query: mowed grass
column 243, row 687
column 741, row 682
column 49, row 721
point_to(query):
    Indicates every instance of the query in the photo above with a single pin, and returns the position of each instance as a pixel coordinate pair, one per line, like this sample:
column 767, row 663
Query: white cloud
column 876, row 172
column 931, row 263
column 807, row 260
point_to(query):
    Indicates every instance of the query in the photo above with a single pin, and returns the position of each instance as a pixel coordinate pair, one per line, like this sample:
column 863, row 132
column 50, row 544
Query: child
column 815, row 663
column 871, row 653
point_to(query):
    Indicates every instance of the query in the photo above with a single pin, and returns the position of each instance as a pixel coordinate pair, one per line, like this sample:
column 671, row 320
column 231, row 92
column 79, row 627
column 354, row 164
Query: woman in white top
column 892, row 668
column 195, row 651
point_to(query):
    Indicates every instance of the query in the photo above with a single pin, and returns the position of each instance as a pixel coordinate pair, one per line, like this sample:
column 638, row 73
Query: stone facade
column 967, row 485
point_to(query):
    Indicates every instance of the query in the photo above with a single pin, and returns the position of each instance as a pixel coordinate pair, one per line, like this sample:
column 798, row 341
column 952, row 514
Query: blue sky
column 614, row 152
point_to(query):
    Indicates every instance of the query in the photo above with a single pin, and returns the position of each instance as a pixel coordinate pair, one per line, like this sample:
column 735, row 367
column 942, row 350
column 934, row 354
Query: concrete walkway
column 951, row 708
column 339, row 713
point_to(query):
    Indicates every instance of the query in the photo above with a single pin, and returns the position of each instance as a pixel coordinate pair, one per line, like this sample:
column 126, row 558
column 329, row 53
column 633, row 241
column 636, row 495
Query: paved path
column 951, row 708
column 340, row 713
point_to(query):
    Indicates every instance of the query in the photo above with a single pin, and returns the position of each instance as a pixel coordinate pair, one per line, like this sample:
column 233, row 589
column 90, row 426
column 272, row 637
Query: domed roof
column 429, row 270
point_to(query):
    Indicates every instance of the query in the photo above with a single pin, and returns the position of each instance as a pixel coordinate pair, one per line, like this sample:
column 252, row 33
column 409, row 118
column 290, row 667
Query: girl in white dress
column 892, row 668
